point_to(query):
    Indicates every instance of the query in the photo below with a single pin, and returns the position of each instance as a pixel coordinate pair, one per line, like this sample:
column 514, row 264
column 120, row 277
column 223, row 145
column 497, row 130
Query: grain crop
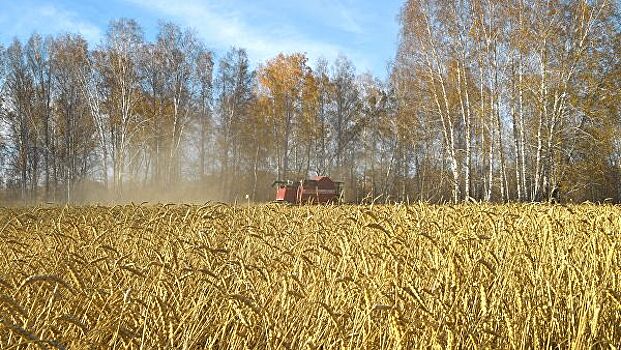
column 516, row 276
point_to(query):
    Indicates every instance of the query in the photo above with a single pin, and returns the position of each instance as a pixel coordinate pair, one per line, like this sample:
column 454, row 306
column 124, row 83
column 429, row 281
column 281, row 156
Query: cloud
column 47, row 19
column 342, row 15
column 226, row 26
column 66, row 21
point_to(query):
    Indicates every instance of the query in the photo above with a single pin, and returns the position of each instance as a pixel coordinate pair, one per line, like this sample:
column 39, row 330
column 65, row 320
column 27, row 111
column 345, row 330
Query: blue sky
column 364, row 30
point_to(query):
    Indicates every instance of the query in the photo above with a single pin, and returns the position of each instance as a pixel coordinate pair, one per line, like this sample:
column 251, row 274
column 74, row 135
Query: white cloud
column 66, row 21
column 50, row 19
column 342, row 15
column 224, row 27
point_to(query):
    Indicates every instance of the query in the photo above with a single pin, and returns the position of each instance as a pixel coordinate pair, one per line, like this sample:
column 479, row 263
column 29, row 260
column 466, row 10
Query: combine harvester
column 316, row 190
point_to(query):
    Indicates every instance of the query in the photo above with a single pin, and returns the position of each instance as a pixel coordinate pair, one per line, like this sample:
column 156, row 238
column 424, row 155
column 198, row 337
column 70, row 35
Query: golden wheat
column 274, row 277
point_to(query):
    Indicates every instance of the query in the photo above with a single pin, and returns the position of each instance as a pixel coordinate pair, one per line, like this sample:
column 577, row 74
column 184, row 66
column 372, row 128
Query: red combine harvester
column 317, row 190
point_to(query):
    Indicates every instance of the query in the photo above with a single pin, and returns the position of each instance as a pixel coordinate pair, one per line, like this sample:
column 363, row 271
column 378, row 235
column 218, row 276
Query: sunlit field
column 311, row 277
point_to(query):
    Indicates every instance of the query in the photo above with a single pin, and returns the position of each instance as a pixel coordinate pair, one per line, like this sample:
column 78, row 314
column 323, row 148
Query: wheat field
column 311, row 277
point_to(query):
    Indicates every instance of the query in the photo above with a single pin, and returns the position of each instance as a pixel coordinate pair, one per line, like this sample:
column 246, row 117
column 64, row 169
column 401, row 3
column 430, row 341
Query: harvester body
column 316, row 190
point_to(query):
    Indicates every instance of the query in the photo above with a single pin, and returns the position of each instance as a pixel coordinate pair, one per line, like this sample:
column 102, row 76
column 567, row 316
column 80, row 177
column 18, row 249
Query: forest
column 486, row 100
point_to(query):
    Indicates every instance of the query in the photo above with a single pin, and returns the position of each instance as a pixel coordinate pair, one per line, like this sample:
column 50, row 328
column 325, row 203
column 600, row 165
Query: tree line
column 131, row 118
column 486, row 100
column 513, row 100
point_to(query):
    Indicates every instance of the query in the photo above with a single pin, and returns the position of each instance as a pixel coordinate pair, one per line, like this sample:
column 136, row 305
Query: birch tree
column 233, row 90
column 117, row 64
column 204, row 74
column 18, row 115
column 179, row 50
column 283, row 80
column 74, row 128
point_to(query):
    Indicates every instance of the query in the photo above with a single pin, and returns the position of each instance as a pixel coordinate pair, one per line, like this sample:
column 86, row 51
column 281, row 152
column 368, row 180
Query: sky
column 366, row 31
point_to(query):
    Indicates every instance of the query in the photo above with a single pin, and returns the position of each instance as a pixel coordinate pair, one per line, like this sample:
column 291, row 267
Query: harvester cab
column 316, row 190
